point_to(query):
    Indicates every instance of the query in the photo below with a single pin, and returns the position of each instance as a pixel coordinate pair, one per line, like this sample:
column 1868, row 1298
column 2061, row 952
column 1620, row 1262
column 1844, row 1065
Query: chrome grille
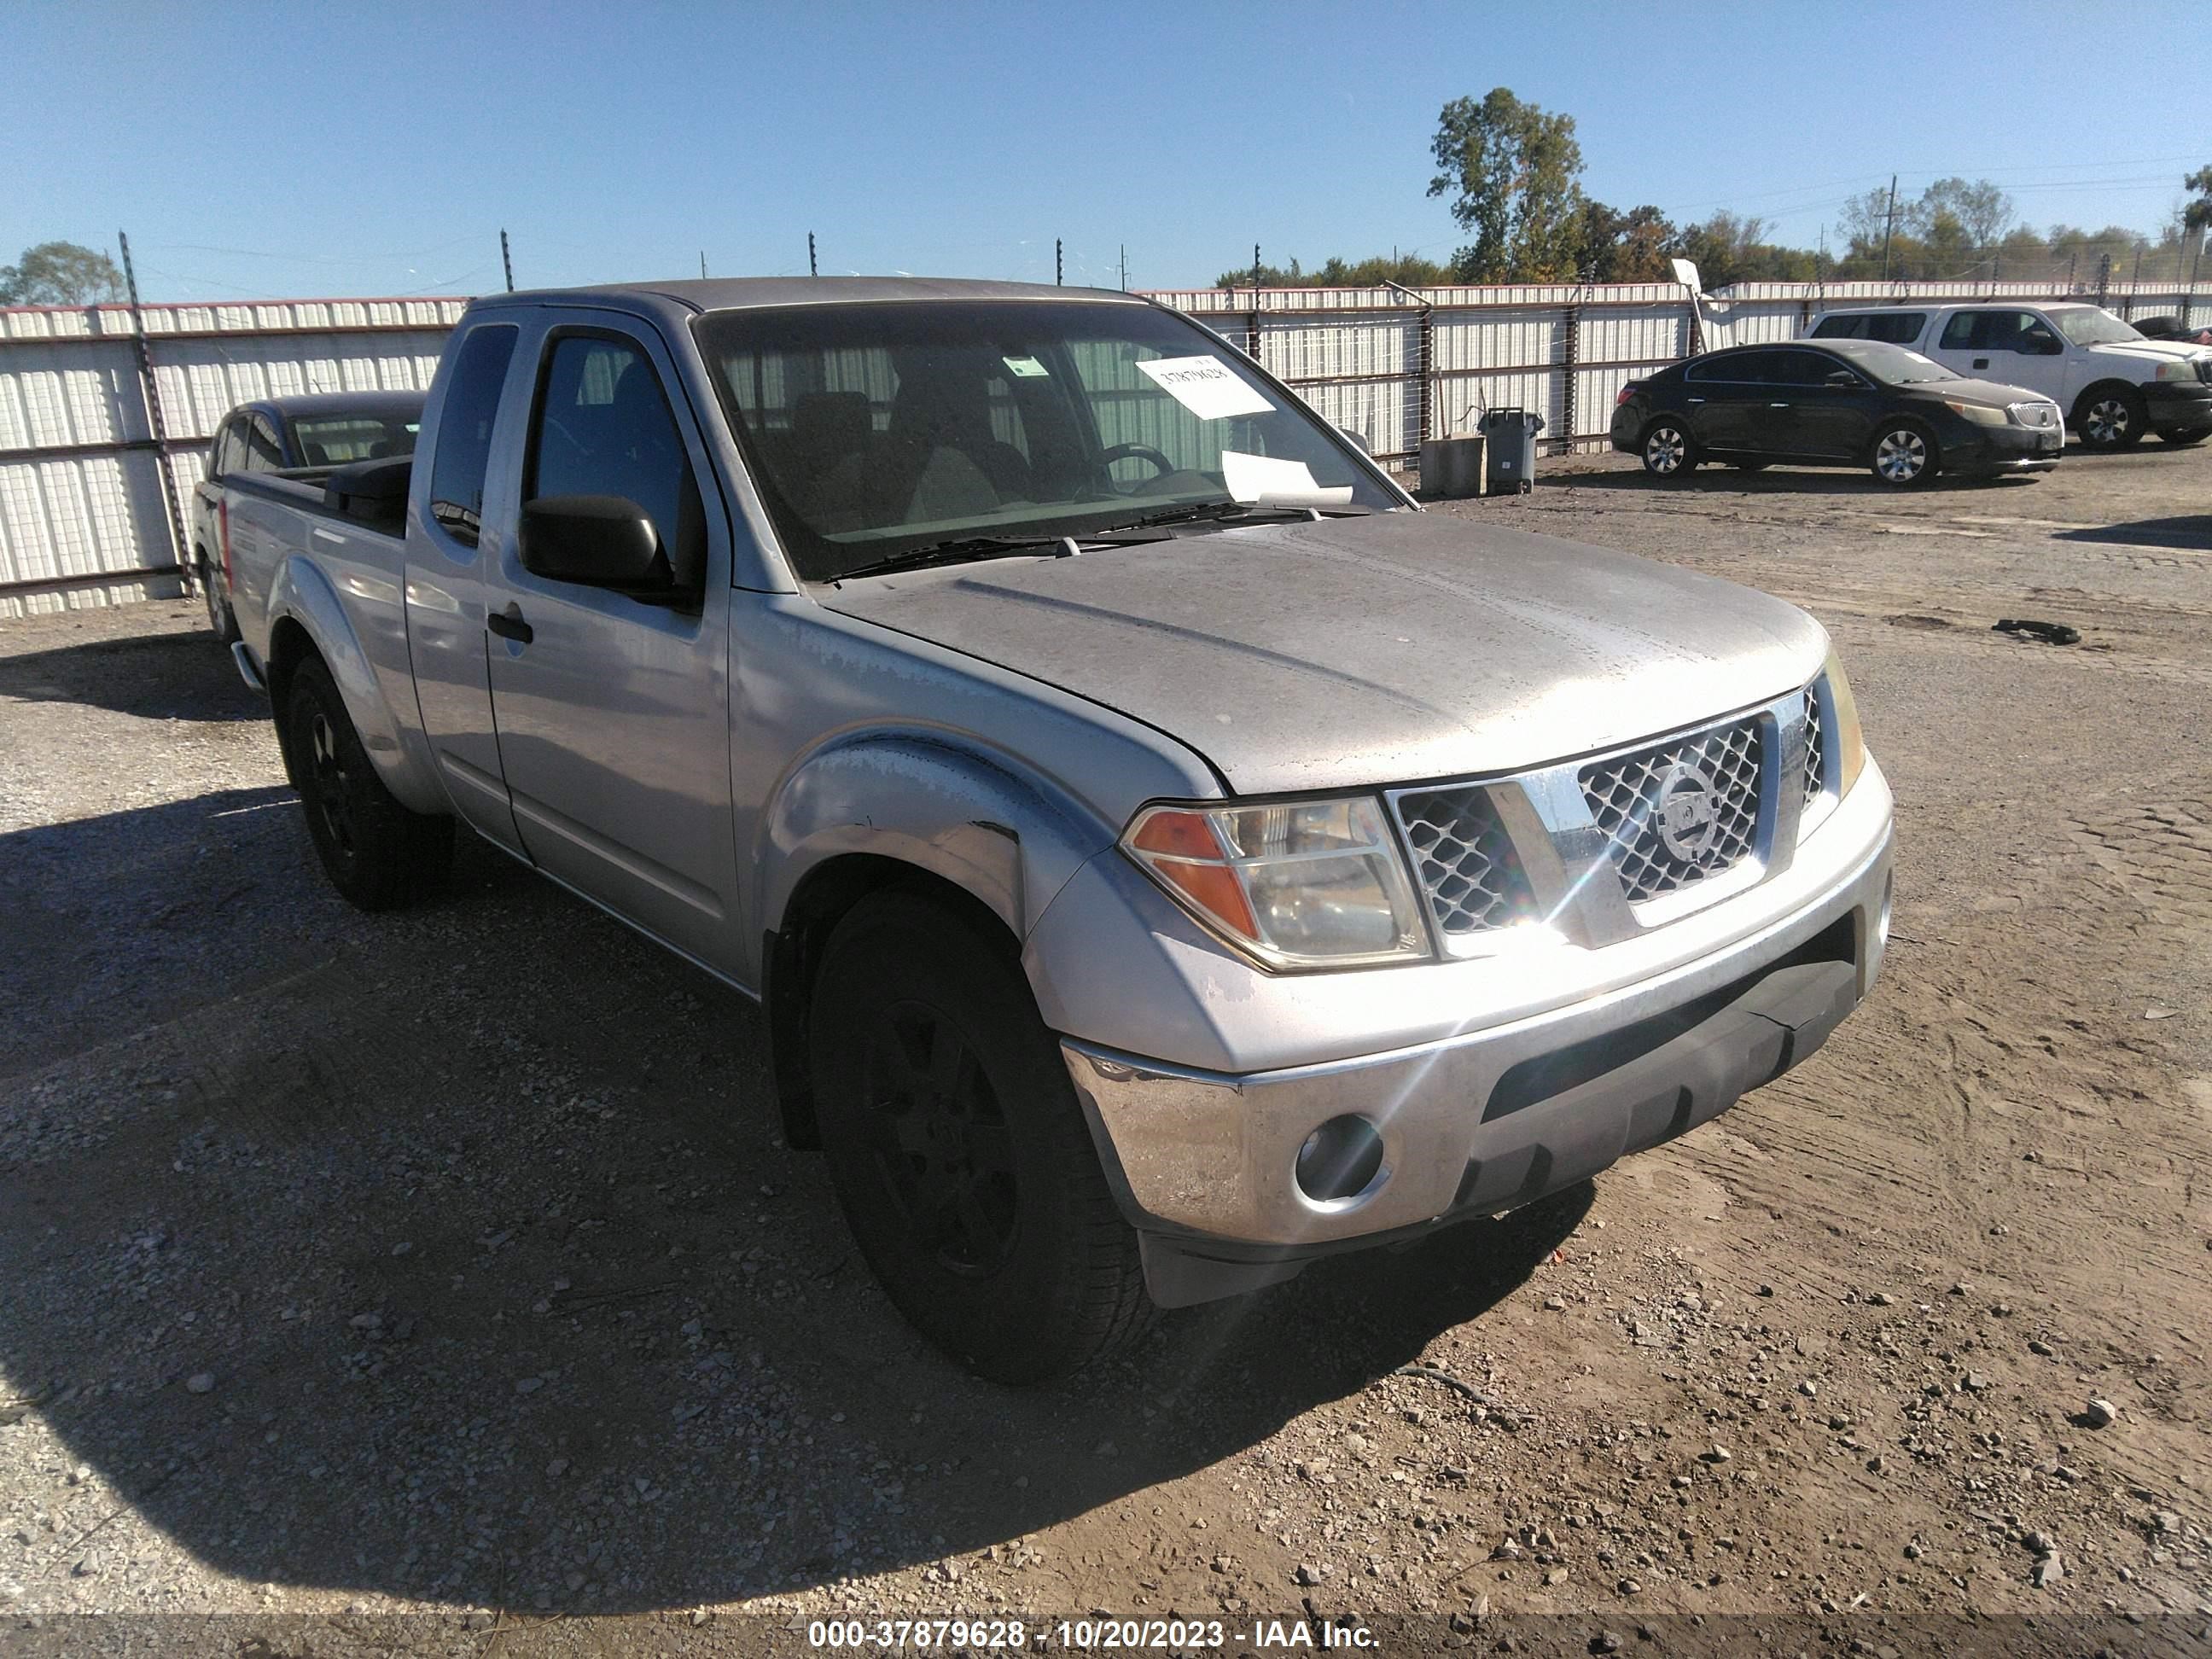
column 1465, row 860
column 1814, row 773
column 1678, row 814
column 2041, row 416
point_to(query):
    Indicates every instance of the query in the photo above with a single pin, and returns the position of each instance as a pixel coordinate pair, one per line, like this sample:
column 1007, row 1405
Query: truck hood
column 1351, row 651
column 2152, row 351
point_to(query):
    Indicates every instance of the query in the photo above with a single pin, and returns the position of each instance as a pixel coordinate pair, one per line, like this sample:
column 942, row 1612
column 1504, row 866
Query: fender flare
column 1008, row 837
column 301, row 593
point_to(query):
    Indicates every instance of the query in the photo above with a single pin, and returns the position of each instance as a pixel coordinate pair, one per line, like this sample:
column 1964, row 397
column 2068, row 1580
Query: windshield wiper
column 960, row 549
column 1224, row 512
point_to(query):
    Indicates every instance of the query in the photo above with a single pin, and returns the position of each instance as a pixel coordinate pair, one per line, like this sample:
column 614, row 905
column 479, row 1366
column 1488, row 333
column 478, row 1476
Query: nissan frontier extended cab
column 1165, row 852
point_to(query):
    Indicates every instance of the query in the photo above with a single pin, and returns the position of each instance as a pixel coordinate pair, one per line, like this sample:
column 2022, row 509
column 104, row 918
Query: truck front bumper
column 1205, row 1164
column 2178, row 405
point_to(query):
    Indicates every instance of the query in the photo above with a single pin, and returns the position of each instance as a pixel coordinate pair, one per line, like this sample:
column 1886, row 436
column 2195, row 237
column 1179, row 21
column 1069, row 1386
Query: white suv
column 2113, row 383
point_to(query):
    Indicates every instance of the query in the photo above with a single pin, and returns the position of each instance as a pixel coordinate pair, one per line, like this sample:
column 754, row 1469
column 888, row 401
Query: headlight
column 1850, row 741
column 2184, row 370
column 1297, row 884
column 1980, row 414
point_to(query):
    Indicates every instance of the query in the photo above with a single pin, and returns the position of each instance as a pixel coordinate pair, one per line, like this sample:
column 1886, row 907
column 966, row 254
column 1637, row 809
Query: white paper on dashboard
column 1262, row 478
column 1207, row 386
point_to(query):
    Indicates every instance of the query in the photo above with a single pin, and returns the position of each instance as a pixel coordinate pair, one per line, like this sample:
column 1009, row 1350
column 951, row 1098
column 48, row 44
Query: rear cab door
column 460, row 517
column 612, row 708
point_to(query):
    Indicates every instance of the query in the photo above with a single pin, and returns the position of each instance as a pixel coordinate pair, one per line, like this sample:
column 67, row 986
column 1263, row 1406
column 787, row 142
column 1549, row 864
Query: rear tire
column 1903, row 456
column 2111, row 417
column 958, row 1150
column 2183, row 437
column 377, row 854
column 220, row 615
column 1669, row 450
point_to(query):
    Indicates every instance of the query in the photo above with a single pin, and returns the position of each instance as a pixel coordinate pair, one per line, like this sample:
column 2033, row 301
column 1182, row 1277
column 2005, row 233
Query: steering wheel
column 1160, row 464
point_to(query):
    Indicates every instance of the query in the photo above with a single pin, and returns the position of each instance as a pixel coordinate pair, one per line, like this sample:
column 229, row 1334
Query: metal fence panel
column 82, row 518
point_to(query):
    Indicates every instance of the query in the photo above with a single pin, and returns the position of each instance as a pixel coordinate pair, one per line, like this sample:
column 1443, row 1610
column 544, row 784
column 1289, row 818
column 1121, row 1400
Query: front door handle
column 1981, row 363
column 508, row 624
column 1777, row 406
column 1697, row 400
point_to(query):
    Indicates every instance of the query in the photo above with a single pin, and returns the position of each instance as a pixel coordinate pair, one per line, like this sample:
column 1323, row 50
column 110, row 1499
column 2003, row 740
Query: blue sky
column 311, row 149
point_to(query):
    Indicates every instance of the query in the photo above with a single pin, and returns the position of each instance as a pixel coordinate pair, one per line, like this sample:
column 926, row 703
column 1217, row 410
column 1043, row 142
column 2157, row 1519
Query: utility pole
column 1888, row 227
column 811, row 270
column 156, row 427
column 703, row 264
column 1255, row 265
column 506, row 261
column 1056, row 269
column 1125, row 267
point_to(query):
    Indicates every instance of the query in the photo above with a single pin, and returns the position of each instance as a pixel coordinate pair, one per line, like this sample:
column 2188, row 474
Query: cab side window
column 464, row 423
column 604, row 427
column 263, row 453
column 228, row 451
column 1960, row 330
column 1897, row 328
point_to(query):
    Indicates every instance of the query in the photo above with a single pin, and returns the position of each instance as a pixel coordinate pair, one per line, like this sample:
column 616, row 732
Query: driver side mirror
column 605, row 541
column 1366, row 448
column 1842, row 379
column 2045, row 345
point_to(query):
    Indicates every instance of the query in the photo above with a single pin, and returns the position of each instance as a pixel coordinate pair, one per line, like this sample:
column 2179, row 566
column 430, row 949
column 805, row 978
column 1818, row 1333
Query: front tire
column 377, row 854
column 2111, row 417
column 1903, row 456
column 1669, row 450
column 959, row 1153
column 2182, row 437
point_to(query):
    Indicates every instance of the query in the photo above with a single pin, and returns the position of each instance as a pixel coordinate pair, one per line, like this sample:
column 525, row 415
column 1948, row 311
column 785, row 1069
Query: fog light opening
column 1341, row 1160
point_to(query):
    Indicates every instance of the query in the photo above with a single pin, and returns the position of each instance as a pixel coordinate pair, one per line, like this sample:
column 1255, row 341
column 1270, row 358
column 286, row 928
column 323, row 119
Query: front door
column 1832, row 406
column 2005, row 345
column 612, row 709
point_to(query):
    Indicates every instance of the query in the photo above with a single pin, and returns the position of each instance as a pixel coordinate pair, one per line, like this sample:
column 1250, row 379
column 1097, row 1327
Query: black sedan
column 1839, row 403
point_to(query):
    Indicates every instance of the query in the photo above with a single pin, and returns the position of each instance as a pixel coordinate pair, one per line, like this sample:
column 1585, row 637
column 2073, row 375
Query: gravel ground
column 449, row 1263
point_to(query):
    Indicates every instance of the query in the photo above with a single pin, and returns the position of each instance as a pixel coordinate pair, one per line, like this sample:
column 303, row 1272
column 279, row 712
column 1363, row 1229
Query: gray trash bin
column 1451, row 468
column 1509, row 446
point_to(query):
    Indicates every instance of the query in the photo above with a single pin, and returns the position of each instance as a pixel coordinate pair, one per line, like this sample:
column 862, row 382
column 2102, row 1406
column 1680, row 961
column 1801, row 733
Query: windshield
column 1892, row 365
column 2091, row 325
column 882, row 430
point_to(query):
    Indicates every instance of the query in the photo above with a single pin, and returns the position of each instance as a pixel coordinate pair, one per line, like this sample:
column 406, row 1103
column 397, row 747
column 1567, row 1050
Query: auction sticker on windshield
column 1025, row 369
column 1206, row 386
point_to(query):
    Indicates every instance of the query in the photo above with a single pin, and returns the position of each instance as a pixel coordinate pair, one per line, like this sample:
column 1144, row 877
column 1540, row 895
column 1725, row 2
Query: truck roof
column 311, row 404
column 749, row 293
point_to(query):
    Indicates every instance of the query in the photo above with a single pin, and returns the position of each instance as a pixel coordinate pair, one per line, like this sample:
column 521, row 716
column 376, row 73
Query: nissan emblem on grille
column 1686, row 814
column 1679, row 813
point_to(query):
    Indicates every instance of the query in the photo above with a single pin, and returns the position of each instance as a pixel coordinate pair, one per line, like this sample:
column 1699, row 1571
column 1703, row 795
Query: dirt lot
column 451, row 1262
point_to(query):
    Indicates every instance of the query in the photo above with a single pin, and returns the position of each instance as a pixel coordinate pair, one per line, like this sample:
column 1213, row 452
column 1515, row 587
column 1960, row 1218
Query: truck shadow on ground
column 2190, row 531
column 184, row 675
column 456, row 1255
column 1718, row 476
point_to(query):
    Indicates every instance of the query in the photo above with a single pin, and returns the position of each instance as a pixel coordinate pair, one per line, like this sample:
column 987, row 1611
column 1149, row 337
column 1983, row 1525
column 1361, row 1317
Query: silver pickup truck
column 1165, row 852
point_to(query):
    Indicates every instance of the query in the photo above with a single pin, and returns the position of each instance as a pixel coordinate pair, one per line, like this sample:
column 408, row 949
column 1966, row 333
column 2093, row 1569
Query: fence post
column 1424, row 362
column 150, row 393
column 1573, row 354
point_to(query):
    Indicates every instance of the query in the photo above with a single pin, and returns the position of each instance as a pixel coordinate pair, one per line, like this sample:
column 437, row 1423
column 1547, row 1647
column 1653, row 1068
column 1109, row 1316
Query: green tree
column 1624, row 248
column 1409, row 269
column 1512, row 170
column 60, row 274
column 2198, row 214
